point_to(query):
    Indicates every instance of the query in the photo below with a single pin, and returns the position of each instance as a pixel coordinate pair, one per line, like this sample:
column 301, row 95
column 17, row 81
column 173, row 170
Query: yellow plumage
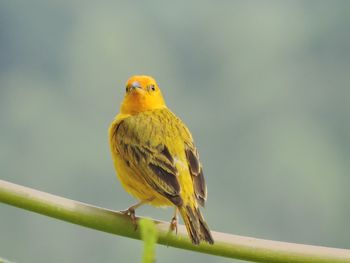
column 155, row 157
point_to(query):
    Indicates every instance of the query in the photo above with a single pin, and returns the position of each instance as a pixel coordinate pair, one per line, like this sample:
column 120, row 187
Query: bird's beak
column 136, row 85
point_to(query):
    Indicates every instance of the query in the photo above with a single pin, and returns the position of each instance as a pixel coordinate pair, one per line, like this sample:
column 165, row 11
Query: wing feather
column 196, row 170
column 140, row 142
column 154, row 163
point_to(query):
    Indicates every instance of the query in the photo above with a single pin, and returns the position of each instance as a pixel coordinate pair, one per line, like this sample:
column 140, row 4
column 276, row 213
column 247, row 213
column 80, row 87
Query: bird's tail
column 196, row 227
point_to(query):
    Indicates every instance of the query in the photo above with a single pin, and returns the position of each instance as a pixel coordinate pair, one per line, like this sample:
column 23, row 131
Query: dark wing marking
column 154, row 163
column 193, row 160
column 165, row 176
column 200, row 188
column 169, row 179
column 166, row 153
column 196, row 171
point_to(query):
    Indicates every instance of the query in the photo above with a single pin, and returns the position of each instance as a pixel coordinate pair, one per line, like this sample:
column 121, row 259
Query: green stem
column 226, row 245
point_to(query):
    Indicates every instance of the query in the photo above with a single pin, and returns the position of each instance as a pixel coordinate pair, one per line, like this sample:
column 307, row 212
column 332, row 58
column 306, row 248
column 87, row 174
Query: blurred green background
column 263, row 86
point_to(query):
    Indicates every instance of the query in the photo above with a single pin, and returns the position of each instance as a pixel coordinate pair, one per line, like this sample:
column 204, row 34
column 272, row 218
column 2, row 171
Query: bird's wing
column 196, row 170
column 153, row 162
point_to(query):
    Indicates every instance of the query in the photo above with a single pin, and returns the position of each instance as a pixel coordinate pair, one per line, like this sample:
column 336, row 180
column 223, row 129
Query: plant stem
column 149, row 236
column 226, row 245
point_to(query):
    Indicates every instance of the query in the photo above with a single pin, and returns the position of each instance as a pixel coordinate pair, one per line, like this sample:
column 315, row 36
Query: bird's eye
column 126, row 89
column 152, row 87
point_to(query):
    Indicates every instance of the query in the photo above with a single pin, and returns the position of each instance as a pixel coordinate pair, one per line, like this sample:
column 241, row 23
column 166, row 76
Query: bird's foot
column 131, row 213
column 173, row 224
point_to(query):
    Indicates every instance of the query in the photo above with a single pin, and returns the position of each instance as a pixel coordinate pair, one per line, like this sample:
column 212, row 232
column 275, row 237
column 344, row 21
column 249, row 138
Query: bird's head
column 141, row 94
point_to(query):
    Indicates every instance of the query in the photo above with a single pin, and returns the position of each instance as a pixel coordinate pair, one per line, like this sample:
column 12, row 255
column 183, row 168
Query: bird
column 155, row 157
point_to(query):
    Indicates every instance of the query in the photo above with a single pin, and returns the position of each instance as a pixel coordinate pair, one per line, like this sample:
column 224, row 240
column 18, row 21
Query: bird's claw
column 131, row 213
column 173, row 224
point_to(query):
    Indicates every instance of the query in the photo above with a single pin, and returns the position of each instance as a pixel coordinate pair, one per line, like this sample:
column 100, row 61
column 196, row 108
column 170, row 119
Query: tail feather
column 196, row 227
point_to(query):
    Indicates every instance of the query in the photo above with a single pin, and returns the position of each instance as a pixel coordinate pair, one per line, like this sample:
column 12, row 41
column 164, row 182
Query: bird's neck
column 132, row 105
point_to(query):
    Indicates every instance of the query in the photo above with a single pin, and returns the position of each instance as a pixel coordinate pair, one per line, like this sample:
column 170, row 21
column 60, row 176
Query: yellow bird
column 155, row 157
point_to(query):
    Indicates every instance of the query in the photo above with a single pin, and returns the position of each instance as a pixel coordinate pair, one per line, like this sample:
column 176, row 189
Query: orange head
column 142, row 94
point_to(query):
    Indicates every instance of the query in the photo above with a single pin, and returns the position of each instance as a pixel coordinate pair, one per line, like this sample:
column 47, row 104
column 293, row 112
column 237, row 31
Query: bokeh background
column 263, row 86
